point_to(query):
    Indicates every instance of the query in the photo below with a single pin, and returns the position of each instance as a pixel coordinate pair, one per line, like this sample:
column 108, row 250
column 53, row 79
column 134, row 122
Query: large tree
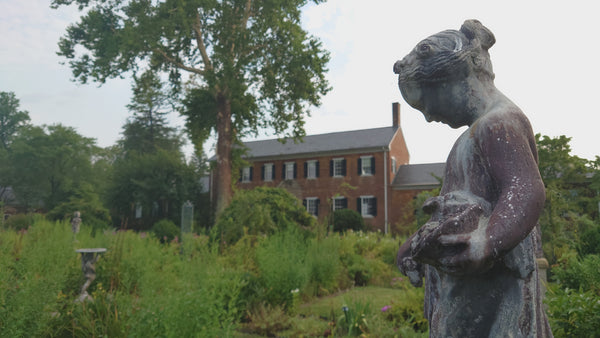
column 147, row 130
column 11, row 120
column 49, row 164
column 249, row 62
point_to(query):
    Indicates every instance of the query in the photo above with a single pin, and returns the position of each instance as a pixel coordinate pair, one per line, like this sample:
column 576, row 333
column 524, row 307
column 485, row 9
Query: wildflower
column 295, row 290
column 385, row 308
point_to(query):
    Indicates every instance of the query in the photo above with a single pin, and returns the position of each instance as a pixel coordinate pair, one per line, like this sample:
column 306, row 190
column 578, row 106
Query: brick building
column 351, row 169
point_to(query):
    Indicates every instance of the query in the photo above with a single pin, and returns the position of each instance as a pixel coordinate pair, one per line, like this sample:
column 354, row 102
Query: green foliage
column 19, row 221
column 572, row 313
column 88, row 203
column 353, row 321
column 590, row 241
column 347, row 219
column 323, row 264
column 580, row 274
column 281, row 267
column 49, row 164
column 159, row 182
column 165, row 230
column 260, row 211
column 267, row 321
column 147, row 130
column 11, row 119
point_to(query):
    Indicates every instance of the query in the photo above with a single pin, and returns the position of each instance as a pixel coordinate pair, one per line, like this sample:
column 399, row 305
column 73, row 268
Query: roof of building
column 339, row 142
column 419, row 176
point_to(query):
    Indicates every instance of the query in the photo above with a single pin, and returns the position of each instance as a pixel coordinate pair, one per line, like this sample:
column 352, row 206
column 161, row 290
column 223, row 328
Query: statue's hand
column 472, row 254
column 413, row 270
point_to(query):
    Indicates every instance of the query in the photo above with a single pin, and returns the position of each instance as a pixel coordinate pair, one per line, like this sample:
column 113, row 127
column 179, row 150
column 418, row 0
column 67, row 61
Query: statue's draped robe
column 506, row 301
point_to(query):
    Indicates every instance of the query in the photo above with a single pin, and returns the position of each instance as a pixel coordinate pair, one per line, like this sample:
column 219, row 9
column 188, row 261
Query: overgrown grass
column 290, row 283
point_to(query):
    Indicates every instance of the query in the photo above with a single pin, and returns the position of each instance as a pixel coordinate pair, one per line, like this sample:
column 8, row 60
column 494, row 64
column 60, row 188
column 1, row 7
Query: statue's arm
column 507, row 143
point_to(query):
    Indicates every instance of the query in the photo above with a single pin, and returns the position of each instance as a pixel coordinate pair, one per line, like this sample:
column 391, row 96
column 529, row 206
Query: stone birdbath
column 89, row 257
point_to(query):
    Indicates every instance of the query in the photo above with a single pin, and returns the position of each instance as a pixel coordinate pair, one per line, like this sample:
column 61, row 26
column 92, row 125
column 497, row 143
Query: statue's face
column 433, row 78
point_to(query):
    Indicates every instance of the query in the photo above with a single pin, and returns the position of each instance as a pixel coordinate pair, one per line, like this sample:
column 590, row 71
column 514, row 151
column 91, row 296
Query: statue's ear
column 473, row 29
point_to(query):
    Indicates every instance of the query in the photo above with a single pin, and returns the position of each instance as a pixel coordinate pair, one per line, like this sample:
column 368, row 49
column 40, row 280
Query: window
column 312, row 205
column 289, row 170
column 367, row 206
column 394, row 165
column 311, row 169
column 337, row 167
column 340, row 203
column 268, row 174
column 366, row 165
column 246, row 174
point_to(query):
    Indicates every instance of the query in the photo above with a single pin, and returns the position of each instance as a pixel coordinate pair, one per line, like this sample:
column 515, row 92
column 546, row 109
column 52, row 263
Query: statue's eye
column 423, row 49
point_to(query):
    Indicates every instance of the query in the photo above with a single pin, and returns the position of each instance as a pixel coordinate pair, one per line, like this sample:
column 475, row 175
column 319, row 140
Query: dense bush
column 165, row 230
column 573, row 313
column 260, row 211
column 347, row 219
column 19, row 221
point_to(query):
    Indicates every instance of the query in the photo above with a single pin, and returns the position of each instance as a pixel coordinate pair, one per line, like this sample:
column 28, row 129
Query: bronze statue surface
column 477, row 252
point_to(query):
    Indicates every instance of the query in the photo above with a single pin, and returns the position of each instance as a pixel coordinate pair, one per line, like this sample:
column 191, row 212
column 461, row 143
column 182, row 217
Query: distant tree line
column 140, row 180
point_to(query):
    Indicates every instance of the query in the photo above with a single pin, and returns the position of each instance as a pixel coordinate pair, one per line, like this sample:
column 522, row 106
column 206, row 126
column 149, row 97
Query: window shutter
column 241, row 175
column 373, row 165
column 344, row 167
column 345, row 203
column 273, row 172
column 262, row 172
column 305, row 169
column 374, row 205
column 295, row 170
column 283, row 172
column 317, row 168
column 304, row 203
column 317, row 207
column 251, row 173
column 330, row 167
column 358, row 205
column 359, row 166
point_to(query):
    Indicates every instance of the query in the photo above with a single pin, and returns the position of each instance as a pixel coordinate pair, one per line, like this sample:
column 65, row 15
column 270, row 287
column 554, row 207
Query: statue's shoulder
column 505, row 119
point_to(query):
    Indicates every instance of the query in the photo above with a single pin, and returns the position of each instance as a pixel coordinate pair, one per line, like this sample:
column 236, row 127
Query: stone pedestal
column 89, row 257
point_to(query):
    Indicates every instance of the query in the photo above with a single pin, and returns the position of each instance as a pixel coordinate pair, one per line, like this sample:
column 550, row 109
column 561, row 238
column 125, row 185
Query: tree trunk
column 223, row 182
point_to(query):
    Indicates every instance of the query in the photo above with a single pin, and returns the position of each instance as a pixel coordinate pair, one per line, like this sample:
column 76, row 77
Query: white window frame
column 366, row 168
column 312, row 205
column 394, row 165
column 338, row 166
column 289, row 170
column 311, row 169
column 245, row 174
column 268, row 177
column 336, row 200
column 364, row 206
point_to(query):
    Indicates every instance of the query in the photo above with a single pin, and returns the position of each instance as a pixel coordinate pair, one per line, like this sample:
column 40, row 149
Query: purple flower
column 385, row 308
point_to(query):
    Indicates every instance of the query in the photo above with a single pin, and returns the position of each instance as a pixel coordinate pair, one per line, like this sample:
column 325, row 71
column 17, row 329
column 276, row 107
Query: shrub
column 580, row 274
column 260, row 211
column 323, row 264
column 572, row 313
column 282, row 268
column 19, row 221
column 347, row 219
column 590, row 241
column 165, row 230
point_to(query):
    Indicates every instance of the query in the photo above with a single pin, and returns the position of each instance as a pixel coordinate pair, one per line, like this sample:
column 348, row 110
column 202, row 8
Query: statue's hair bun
column 473, row 29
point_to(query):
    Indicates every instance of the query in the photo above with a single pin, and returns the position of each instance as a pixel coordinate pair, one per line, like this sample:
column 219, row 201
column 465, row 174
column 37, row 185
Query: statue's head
column 434, row 76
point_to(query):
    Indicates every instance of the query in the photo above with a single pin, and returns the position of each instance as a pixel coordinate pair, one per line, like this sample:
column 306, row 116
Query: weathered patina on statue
column 477, row 252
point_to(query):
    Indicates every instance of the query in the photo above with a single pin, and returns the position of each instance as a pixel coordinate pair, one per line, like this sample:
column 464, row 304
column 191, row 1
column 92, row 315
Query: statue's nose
column 399, row 65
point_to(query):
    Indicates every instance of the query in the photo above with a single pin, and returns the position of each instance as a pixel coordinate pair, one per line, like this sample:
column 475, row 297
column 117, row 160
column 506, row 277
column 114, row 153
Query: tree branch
column 179, row 64
column 197, row 26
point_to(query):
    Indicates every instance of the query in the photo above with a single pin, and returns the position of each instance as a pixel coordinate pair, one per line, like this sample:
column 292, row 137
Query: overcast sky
column 545, row 60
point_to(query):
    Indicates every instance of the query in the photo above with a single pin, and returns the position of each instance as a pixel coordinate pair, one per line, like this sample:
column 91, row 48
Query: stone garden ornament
column 477, row 252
